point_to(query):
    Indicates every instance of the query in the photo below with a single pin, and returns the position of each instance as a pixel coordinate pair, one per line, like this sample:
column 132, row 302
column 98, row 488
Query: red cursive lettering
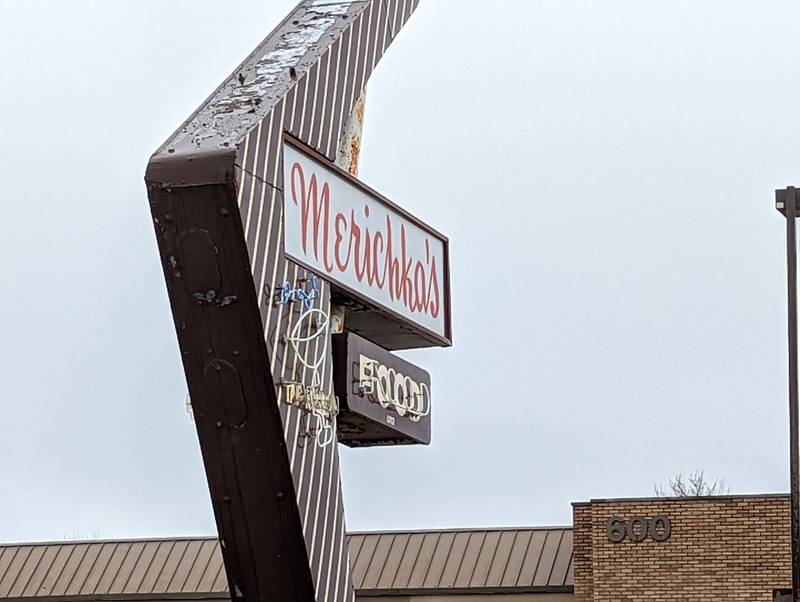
column 375, row 258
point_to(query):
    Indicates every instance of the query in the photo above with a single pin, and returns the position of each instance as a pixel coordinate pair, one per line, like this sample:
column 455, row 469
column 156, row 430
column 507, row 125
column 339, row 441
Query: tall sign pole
column 786, row 203
column 271, row 247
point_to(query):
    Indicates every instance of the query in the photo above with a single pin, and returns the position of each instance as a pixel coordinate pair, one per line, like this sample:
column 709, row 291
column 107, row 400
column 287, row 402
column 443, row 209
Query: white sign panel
column 362, row 243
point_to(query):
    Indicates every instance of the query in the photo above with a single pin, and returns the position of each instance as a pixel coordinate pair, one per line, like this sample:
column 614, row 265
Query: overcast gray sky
column 604, row 170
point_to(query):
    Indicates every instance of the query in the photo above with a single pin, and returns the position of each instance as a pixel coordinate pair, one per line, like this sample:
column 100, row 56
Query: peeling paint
column 207, row 296
column 264, row 78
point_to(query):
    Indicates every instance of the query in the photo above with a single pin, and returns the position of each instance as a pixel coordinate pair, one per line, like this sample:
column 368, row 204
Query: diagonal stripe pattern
column 305, row 79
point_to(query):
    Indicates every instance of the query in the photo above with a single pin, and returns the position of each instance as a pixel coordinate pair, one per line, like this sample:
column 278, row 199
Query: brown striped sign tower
column 272, row 252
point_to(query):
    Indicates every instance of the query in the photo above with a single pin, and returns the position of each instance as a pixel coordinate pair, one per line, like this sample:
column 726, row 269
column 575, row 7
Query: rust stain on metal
column 355, row 141
column 355, row 152
column 349, row 151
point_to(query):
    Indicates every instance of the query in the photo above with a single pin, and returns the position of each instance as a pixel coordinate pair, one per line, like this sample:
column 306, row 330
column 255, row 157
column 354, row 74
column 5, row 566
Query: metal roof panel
column 409, row 561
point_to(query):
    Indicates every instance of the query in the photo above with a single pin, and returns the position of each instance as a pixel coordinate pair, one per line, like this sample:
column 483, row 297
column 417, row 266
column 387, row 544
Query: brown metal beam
column 235, row 409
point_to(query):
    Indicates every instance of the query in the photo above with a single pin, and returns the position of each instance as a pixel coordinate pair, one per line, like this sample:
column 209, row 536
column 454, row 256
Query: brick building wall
column 728, row 548
column 582, row 551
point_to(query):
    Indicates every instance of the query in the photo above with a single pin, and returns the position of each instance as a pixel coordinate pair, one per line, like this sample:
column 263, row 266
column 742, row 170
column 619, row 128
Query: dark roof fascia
column 699, row 498
column 455, row 591
column 361, row 593
column 188, row 597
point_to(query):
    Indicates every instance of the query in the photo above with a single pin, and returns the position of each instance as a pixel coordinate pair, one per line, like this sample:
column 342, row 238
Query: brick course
column 722, row 549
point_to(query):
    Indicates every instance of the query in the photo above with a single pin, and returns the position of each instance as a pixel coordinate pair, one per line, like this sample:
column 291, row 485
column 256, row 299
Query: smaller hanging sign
column 389, row 269
column 384, row 399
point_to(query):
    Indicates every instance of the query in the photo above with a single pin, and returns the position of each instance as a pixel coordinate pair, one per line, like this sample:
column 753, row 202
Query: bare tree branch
column 693, row 485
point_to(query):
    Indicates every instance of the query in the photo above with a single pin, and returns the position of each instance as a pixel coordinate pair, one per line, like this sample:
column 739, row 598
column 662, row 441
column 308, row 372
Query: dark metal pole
column 786, row 200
